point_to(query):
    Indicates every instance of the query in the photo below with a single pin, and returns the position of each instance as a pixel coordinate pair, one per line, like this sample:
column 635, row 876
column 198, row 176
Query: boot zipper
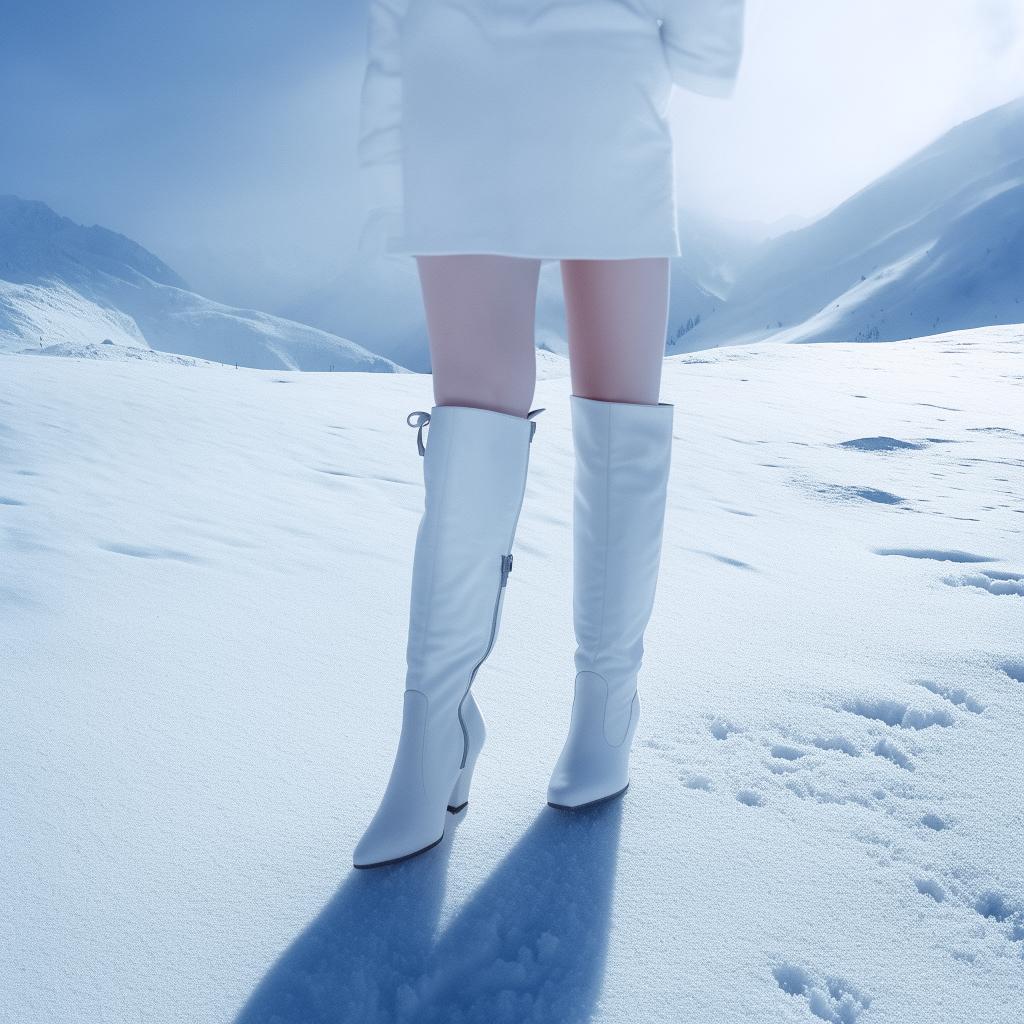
column 506, row 568
column 420, row 418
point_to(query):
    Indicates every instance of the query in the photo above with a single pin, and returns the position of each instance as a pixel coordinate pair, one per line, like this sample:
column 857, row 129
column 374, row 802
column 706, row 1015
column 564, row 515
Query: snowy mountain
column 65, row 287
column 377, row 301
column 936, row 244
column 690, row 304
column 202, row 656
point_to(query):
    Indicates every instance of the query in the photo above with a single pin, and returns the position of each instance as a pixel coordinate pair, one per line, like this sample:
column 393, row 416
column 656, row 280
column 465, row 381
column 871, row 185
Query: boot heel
column 476, row 734
column 460, row 794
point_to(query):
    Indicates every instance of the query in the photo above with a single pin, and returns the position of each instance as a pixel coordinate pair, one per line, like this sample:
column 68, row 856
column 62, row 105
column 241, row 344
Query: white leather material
column 623, row 456
column 475, row 470
column 560, row 107
column 477, row 733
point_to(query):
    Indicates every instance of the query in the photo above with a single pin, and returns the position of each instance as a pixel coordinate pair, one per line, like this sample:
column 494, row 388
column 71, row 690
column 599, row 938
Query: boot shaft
column 475, row 465
column 620, row 485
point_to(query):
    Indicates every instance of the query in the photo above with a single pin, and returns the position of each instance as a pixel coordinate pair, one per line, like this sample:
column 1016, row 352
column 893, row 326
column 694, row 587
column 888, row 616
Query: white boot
column 474, row 470
column 623, row 454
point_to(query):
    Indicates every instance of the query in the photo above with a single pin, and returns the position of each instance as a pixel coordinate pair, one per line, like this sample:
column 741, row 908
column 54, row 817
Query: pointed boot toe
column 594, row 763
column 411, row 815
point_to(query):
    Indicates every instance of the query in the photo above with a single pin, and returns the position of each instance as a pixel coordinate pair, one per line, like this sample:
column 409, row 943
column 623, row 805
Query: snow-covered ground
column 204, row 580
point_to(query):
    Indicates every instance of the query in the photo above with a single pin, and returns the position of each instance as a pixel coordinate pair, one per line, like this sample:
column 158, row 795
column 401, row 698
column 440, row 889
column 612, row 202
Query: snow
column 62, row 284
column 936, row 244
column 204, row 580
column 41, row 315
column 110, row 350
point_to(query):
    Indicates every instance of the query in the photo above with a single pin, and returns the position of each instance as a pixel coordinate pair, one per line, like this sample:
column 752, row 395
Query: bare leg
column 481, row 313
column 618, row 318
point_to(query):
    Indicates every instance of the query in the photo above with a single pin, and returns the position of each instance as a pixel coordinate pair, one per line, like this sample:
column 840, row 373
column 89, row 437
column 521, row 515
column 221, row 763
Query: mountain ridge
column 65, row 286
column 806, row 284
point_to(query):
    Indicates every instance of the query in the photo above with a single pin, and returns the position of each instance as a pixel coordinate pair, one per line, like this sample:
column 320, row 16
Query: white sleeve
column 379, row 147
column 703, row 41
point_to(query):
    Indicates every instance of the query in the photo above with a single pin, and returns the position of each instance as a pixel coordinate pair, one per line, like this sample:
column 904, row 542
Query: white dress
column 532, row 127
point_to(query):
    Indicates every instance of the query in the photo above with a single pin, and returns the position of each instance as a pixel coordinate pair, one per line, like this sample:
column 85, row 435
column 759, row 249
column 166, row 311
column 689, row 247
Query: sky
column 833, row 94
column 222, row 136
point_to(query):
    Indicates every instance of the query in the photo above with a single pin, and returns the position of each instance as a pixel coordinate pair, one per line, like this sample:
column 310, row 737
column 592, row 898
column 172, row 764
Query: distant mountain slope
column 37, row 243
column 934, row 245
column 62, row 284
column 377, row 301
column 111, row 352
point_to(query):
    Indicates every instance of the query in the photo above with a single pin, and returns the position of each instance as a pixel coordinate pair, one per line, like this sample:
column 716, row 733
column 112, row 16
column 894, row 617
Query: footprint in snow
column 785, row 759
column 887, row 749
column 722, row 728
column 1005, row 911
column 1014, row 669
column 929, row 887
column 830, row 998
column 701, row 782
column 955, row 695
column 935, row 554
column 879, row 444
column 840, row 743
column 899, row 715
column 786, row 753
column 996, row 430
column 849, row 493
column 991, row 581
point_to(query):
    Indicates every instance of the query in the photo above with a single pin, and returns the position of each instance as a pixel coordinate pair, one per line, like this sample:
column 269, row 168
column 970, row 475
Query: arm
column 379, row 148
column 703, row 42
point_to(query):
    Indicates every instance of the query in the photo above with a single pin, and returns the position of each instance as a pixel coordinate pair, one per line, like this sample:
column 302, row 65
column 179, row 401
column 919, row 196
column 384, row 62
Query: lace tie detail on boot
column 422, row 418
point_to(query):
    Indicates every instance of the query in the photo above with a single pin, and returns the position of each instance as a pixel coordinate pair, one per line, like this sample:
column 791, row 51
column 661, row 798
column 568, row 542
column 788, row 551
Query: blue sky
column 221, row 135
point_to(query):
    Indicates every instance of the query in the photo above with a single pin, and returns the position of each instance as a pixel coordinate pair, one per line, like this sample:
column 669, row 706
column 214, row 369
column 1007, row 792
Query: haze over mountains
column 936, row 244
column 69, row 288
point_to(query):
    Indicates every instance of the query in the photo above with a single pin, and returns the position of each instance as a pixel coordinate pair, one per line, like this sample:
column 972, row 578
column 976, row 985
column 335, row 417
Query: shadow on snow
column 529, row 944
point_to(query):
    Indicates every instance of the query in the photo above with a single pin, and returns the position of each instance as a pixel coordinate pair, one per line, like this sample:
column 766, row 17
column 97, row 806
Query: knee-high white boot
column 474, row 470
column 623, row 455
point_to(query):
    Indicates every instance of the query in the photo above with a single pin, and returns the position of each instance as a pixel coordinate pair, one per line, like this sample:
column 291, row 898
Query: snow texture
column 204, row 579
